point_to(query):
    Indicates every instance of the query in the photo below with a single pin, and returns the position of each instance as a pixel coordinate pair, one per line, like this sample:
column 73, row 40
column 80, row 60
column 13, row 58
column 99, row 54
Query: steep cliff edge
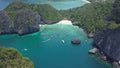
column 48, row 14
column 5, row 23
column 23, row 18
column 108, row 42
column 24, row 22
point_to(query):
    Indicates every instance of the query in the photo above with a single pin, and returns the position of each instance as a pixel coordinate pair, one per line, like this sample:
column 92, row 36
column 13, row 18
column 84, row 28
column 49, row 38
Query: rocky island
column 75, row 41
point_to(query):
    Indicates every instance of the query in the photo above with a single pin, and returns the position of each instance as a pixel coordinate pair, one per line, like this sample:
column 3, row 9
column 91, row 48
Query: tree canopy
column 11, row 58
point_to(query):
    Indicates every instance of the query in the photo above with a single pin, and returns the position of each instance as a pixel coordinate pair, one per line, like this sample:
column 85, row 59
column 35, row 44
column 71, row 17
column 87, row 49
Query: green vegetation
column 47, row 12
column 11, row 58
column 113, row 25
column 92, row 16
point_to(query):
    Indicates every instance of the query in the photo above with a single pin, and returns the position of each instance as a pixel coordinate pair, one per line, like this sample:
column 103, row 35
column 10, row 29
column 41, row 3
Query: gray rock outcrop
column 109, row 43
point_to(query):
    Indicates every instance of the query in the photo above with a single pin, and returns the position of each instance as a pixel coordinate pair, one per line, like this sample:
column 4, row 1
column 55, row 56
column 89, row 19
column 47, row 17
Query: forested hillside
column 47, row 12
column 11, row 58
column 92, row 16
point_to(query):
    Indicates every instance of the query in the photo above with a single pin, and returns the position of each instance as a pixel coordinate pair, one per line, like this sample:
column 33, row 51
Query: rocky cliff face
column 115, row 13
column 108, row 42
column 5, row 23
column 24, row 22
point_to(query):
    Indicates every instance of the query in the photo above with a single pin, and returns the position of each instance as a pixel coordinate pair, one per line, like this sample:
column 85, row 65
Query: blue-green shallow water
column 59, row 5
column 46, row 49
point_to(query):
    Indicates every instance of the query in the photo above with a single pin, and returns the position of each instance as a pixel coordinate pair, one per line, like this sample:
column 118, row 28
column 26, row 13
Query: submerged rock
column 116, row 64
column 76, row 41
column 5, row 23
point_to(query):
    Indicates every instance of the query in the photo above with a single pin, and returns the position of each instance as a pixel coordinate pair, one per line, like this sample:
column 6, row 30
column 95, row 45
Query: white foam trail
column 46, row 40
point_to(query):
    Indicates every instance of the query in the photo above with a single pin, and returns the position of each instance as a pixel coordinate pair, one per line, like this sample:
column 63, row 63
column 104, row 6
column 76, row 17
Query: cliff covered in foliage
column 47, row 12
column 90, row 16
column 11, row 58
column 108, row 40
column 22, row 18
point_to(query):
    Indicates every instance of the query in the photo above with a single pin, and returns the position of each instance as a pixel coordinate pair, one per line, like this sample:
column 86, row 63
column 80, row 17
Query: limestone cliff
column 24, row 22
column 108, row 41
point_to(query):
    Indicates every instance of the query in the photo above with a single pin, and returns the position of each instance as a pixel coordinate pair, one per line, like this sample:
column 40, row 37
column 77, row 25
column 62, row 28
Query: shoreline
column 102, row 56
column 66, row 22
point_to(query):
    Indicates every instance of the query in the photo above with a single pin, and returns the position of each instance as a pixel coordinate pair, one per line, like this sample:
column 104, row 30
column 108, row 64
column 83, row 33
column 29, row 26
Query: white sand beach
column 67, row 22
column 86, row 1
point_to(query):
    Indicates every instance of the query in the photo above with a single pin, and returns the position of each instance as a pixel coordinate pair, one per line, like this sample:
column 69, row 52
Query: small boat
column 63, row 41
column 25, row 49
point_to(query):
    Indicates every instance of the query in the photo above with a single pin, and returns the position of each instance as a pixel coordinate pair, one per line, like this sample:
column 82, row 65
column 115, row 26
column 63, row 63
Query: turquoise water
column 59, row 5
column 46, row 49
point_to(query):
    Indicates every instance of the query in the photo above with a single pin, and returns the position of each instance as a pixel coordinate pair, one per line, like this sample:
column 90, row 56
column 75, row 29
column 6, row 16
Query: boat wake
column 47, row 39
